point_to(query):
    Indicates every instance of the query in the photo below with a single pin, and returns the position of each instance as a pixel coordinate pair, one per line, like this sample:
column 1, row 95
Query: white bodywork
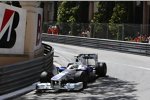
column 56, row 82
column 68, row 86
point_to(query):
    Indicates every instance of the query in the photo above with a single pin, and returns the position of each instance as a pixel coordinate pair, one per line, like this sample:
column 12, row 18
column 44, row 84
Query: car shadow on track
column 103, row 88
column 112, row 89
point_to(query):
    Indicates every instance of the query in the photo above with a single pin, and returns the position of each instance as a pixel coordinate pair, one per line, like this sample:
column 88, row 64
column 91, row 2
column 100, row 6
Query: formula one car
column 75, row 76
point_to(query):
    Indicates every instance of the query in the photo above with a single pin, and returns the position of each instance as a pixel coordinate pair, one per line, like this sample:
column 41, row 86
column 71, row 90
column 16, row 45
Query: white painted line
column 138, row 67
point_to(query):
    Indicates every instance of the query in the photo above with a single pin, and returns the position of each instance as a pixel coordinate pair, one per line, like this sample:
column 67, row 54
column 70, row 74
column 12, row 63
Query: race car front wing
column 68, row 86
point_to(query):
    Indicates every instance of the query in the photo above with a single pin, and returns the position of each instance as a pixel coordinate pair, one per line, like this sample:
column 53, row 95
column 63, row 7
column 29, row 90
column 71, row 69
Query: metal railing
column 122, row 46
column 123, row 32
column 19, row 75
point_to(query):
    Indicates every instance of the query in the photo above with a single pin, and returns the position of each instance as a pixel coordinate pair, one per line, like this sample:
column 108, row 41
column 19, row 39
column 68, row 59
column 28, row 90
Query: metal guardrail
column 19, row 75
column 122, row 46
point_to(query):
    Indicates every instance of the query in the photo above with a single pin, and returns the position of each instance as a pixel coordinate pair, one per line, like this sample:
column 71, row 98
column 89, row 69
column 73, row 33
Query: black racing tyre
column 69, row 64
column 38, row 91
column 101, row 69
column 45, row 77
column 49, row 76
column 81, row 76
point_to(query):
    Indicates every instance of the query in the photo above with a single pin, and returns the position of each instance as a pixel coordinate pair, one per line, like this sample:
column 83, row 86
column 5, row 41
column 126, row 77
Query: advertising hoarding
column 12, row 29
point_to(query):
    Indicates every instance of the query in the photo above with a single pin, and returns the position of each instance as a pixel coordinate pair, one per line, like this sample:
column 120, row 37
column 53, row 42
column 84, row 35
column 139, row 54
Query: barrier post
column 33, row 45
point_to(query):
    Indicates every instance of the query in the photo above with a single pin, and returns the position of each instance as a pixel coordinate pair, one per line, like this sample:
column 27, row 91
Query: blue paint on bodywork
column 60, row 69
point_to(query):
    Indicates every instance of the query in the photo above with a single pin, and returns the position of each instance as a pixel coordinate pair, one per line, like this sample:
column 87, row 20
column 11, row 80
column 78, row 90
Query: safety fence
column 123, row 32
column 122, row 46
column 19, row 75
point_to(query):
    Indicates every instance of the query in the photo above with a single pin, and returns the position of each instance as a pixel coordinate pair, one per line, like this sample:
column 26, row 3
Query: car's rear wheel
column 101, row 69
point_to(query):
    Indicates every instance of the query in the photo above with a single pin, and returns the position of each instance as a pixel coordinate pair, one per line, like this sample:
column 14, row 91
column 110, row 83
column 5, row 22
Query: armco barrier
column 123, row 46
column 19, row 75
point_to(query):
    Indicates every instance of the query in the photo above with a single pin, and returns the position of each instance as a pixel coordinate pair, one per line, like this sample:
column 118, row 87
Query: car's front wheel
column 46, row 77
column 81, row 76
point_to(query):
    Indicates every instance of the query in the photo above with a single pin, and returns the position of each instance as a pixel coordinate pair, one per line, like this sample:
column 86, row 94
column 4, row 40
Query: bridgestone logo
column 7, row 28
column 39, row 25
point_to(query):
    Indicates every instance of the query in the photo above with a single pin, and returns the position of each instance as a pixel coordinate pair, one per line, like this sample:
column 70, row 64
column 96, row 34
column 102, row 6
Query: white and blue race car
column 75, row 76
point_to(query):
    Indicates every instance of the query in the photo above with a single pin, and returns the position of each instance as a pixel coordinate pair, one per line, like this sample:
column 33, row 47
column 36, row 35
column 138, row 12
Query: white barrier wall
column 20, row 32
column 12, row 29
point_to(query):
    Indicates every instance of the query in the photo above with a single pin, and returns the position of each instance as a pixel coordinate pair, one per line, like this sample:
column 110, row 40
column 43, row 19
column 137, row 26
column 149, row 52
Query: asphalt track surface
column 128, row 76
